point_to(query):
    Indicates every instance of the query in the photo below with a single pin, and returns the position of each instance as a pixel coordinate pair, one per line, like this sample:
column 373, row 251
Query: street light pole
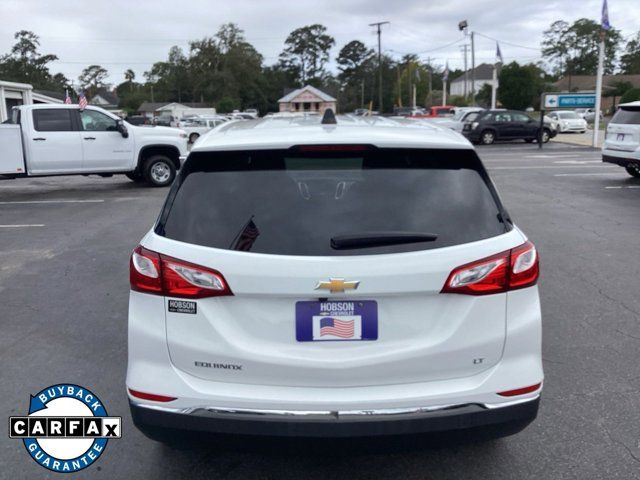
column 378, row 25
column 473, row 70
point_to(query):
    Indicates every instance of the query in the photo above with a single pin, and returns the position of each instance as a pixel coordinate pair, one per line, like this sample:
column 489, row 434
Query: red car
column 442, row 111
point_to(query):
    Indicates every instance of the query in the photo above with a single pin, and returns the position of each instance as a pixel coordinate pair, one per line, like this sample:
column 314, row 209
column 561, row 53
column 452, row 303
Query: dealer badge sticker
column 67, row 428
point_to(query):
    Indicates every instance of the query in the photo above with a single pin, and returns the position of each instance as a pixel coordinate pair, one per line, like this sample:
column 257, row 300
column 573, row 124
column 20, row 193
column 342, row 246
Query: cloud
column 121, row 34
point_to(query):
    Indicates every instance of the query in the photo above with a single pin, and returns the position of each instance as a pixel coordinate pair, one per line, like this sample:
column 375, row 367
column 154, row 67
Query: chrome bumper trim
column 327, row 414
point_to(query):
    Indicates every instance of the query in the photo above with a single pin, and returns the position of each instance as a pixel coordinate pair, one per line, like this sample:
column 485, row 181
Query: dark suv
column 492, row 125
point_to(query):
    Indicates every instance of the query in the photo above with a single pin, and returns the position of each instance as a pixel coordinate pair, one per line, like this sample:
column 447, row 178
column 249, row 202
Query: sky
column 122, row 34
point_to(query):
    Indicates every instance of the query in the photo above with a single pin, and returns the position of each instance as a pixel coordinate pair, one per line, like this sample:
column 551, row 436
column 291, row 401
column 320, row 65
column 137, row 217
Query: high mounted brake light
column 151, row 272
column 509, row 270
column 332, row 148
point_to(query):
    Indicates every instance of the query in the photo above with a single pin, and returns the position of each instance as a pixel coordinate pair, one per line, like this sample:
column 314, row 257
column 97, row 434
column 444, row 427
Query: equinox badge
column 337, row 285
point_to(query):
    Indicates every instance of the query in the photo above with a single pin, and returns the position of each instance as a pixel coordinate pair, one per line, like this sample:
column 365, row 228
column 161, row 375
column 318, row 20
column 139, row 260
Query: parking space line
column 23, row 226
column 583, row 174
column 622, row 186
column 29, row 202
column 544, row 167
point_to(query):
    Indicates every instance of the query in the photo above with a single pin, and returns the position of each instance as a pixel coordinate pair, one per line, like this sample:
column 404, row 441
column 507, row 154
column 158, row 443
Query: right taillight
column 151, row 272
column 509, row 270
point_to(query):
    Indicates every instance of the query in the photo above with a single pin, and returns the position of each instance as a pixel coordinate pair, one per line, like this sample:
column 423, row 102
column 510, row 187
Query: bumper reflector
column 520, row 391
column 151, row 396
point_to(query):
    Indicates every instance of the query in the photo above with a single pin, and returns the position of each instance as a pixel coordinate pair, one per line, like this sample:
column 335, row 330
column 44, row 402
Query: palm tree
column 129, row 75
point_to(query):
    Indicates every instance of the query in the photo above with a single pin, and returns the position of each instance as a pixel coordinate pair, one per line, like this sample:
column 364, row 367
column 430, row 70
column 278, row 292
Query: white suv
column 333, row 278
column 622, row 139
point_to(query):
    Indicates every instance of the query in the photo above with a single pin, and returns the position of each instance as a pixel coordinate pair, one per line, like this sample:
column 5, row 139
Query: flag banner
column 605, row 16
column 445, row 73
column 67, row 98
column 82, row 101
column 499, row 58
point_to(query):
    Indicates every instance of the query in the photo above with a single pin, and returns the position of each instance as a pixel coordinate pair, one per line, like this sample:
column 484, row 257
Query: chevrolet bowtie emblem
column 337, row 285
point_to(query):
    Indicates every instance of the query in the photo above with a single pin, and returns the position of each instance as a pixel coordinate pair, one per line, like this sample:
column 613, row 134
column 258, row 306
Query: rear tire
column 193, row 137
column 633, row 170
column 487, row 137
column 159, row 171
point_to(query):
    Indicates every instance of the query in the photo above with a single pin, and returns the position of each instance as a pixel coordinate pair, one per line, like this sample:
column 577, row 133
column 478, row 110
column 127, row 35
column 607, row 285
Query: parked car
column 436, row 112
column 457, row 121
column 622, row 138
column 200, row 125
column 408, row 111
column 588, row 114
column 568, row 121
column 358, row 280
column 493, row 125
column 64, row 140
column 138, row 120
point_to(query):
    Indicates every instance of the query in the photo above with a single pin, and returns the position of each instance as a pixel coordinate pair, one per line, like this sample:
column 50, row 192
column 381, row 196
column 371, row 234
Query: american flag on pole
column 499, row 58
column 82, row 101
column 605, row 16
column 338, row 328
column 445, row 73
column 67, row 98
column 247, row 237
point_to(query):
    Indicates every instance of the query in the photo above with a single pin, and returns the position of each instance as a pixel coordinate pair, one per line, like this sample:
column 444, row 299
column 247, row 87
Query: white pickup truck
column 42, row 140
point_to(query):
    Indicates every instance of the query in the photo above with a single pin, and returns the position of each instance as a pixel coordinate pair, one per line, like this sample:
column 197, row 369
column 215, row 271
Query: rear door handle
column 89, row 138
column 39, row 139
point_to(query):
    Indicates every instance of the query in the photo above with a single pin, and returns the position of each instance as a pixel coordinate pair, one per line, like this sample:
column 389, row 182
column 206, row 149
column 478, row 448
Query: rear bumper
column 502, row 419
column 622, row 158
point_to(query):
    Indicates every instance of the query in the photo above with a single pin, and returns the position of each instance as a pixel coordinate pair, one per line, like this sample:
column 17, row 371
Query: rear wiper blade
column 379, row 239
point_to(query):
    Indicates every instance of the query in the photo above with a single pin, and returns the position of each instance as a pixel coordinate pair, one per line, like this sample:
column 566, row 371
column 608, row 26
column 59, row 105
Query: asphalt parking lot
column 64, row 247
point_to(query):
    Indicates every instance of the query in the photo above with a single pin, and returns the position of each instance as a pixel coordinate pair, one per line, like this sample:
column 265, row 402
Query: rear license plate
column 620, row 137
column 336, row 320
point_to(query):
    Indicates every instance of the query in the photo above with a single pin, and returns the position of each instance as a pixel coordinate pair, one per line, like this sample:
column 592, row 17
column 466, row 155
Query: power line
column 507, row 43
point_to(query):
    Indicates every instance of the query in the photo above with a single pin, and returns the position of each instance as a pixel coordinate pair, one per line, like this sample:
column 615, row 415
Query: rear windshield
column 293, row 202
column 627, row 115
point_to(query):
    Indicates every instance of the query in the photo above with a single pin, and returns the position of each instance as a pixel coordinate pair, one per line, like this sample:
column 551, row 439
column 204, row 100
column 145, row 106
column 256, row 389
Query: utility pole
column 596, row 120
column 464, row 48
column 430, row 81
column 378, row 25
column 473, row 71
column 463, row 26
column 362, row 95
column 399, row 86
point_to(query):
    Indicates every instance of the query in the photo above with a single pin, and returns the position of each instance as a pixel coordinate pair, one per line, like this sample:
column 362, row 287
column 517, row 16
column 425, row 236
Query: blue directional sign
column 569, row 100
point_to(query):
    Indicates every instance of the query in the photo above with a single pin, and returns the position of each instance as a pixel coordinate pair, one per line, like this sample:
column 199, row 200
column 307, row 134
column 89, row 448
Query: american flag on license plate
column 338, row 328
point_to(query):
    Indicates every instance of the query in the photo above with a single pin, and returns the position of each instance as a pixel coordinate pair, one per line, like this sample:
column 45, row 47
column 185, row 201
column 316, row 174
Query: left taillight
column 151, row 272
column 509, row 270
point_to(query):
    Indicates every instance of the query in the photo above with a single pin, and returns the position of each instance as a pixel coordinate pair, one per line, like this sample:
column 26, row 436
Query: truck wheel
column 193, row 137
column 135, row 176
column 159, row 171
column 633, row 170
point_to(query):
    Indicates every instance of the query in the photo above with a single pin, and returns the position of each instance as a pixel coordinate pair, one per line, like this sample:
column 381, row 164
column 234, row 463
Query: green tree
column 129, row 76
column 171, row 78
column 93, row 79
column 355, row 60
column 631, row 95
column 483, row 97
column 520, row 85
column 630, row 59
column 25, row 64
column 572, row 49
column 306, row 54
